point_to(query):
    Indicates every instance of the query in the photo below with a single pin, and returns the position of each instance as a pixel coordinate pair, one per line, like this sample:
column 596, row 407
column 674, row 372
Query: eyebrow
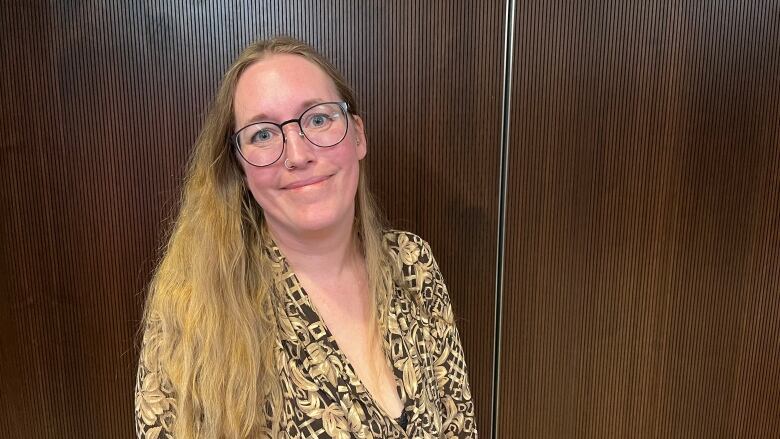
column 262, row 117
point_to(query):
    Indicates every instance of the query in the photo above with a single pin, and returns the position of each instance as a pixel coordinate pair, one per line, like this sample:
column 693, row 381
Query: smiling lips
column 306, row 182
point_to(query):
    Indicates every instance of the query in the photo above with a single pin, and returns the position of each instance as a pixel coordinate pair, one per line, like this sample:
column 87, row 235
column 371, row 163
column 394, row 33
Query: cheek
column 350, row 153
column 260, row 183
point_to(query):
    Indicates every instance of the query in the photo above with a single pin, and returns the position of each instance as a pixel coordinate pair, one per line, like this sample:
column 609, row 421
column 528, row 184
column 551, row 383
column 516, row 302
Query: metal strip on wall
column 506, row 100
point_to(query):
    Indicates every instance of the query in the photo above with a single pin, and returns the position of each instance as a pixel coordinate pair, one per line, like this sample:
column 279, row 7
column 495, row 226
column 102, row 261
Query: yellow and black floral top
column 322, row 395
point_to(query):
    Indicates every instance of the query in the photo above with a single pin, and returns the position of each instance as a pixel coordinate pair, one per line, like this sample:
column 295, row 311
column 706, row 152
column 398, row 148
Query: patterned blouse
column 322, row 394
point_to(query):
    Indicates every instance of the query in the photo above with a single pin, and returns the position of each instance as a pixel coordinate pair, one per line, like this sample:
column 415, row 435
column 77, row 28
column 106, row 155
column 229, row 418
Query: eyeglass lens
column 324, row 125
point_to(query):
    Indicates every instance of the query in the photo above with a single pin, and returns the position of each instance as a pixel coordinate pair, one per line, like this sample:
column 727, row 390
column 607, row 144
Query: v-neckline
column 347, row 368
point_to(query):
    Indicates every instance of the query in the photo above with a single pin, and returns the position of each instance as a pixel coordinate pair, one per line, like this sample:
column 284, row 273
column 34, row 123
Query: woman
column 281, row 307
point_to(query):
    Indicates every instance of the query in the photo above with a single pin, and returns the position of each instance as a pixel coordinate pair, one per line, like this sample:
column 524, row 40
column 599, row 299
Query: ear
column 360, row 137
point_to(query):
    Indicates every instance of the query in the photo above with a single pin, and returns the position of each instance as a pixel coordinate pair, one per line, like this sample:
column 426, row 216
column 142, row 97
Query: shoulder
column 421, row 273
column 408, row 249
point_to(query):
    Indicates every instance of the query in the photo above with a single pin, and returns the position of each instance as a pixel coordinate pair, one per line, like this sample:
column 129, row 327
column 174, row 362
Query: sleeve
column 155, row 404
column 449, row 360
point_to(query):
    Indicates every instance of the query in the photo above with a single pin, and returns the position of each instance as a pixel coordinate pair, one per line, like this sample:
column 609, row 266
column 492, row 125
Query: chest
column 322, row 386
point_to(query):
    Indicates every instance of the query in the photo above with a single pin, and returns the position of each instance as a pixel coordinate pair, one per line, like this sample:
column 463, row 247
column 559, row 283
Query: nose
column 299, row 153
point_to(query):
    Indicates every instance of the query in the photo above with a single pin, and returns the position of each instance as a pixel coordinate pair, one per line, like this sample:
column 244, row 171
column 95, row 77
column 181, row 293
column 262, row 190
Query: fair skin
column 310, row 209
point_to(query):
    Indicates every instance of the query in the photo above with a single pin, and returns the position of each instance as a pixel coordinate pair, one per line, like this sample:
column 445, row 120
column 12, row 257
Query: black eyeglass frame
column 234, row 137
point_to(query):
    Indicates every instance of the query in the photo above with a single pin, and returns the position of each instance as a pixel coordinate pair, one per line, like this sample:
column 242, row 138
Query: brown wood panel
column 101, row 102
column 642, row 271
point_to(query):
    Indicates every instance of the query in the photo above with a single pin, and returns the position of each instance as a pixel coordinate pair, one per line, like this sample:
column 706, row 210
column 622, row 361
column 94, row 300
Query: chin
column 316, row 218
column 323, row 219
column 315, row 225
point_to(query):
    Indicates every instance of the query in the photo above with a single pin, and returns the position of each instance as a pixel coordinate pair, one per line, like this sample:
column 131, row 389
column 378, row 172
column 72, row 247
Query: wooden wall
column 641, row 282
column 642, row 293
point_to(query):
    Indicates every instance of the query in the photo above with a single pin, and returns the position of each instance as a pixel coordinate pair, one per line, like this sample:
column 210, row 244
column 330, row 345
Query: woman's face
column 317, row 195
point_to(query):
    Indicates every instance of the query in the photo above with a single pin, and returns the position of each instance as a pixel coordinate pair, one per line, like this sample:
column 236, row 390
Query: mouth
column 308, row 182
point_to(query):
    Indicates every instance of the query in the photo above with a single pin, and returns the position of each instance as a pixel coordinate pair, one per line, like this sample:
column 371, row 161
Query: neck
column 318, row 254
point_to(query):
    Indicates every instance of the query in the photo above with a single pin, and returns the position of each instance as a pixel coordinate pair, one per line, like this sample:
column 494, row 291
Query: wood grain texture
column 643, row 232
column 643, row 280
column 101, row 103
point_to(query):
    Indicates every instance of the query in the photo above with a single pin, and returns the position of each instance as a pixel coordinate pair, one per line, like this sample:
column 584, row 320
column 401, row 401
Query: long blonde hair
column 208, row 320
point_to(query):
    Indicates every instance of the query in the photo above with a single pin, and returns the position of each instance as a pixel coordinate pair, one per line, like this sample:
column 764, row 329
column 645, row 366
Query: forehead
column 279, row 87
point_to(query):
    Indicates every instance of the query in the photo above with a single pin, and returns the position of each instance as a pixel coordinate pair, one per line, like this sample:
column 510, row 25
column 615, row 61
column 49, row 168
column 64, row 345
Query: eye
column 319, row 121
column 261, row 136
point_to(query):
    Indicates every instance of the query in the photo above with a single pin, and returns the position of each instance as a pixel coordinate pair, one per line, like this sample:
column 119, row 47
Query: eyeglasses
column 262, row 143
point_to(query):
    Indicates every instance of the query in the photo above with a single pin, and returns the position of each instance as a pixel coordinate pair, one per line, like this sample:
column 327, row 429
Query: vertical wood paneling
column 642, row 275
column 643, row 280
column 101, row 103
